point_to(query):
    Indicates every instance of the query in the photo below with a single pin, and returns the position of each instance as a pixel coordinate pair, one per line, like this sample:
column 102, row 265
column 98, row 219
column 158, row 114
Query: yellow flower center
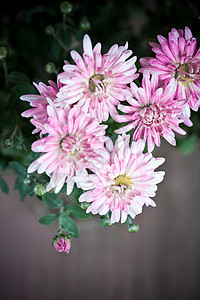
column 92, row 84
column 74, row 153
column 184, row 78
column 123, row 180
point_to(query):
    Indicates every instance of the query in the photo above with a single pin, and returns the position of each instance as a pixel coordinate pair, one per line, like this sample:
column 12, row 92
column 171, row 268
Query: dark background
column 162, row 260
column 138, row 22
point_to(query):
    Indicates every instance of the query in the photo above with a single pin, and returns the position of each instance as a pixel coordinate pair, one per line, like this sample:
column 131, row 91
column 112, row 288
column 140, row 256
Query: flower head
column 152, row 111
column 97, row 82
column 74, row 143
column 40, row 103
column 62, row 243
column 125, row 183
column 177, row 57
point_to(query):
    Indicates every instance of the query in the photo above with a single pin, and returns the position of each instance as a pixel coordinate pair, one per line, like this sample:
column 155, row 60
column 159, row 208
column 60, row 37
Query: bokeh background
column 162, row 260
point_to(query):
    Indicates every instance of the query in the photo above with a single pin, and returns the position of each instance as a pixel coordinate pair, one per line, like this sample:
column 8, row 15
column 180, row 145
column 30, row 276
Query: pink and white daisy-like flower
column 75, row 142
column 96, row 83
column 152, row 111
column 177, row 57
column 62, row 243
column 125, row 183
column 40, row 103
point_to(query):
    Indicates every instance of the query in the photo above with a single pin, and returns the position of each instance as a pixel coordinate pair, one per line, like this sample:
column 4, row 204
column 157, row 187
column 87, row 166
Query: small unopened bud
column 66, row 7
column 28, row 180
column 85, row 25
column 50, row 30
column 62, row 243
column 19, row 146
column 9, row 143
column 39, row 189
column 132, row 228
column 50, row 68
column 3, row 53
column 84, row 205
column 105, row 220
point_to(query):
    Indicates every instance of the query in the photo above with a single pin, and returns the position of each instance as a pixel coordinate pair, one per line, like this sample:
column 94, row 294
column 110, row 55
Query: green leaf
column 52, row 200
column 31, row 157
column 44, row 178
column 56, row 49
column 3, row 185
column 18, row 168
column 78, row 34
column 69, row 226
column 67, row 38
column 75, row 194
column 187, row 144
column 76, row 212
column 17, row 78
column 48, row 219
column 22, row 89
column 23, row 189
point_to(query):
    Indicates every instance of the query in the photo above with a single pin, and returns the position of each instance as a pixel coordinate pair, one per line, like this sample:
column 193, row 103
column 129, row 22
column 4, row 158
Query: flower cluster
column 118, row 178
column 178, row 57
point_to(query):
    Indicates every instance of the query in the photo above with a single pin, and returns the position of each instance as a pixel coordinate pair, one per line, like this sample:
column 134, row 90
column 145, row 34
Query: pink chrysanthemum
column 178, row 58
column 125, row 183
column 97, row 82
column 74, row 143
column 62, row 246
column 40, row 103
column 152, row 111
column 62, row 243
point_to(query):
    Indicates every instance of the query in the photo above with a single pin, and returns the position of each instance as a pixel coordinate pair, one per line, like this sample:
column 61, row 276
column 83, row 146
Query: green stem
column 6, row 73
column 64, row 22
column 60, row 220
column 62, row 45
column 14, row 131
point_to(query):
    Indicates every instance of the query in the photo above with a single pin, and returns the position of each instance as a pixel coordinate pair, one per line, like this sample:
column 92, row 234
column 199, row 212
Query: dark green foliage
column 76, row 212
column 17, row 78
column 18, row 168
column 69, row 226
column 75, row 194
column 31, row 157
column 23, row 189
column 48, row 219
column 187, row 145
column 3, row 185
column 52, row 200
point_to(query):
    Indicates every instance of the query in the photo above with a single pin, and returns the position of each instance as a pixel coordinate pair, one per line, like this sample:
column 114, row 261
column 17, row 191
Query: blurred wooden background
column 161, row 261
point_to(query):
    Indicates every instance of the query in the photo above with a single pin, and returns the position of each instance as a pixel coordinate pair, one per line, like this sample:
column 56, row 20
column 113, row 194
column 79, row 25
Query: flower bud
column 39, row 189
column 49, row 30
column 19, row 146
column 85, row 25
column 105, row 220
column 62, row 243
column 66, row 7
column 28, row 180
column 9, row 143
column 84, row 205
column 50, row 68
column 3, row 53
column 132, row 228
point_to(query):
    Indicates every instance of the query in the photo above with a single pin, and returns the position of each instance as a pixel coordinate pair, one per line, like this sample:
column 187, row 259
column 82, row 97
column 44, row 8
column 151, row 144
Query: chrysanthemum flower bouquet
column 95, row 129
